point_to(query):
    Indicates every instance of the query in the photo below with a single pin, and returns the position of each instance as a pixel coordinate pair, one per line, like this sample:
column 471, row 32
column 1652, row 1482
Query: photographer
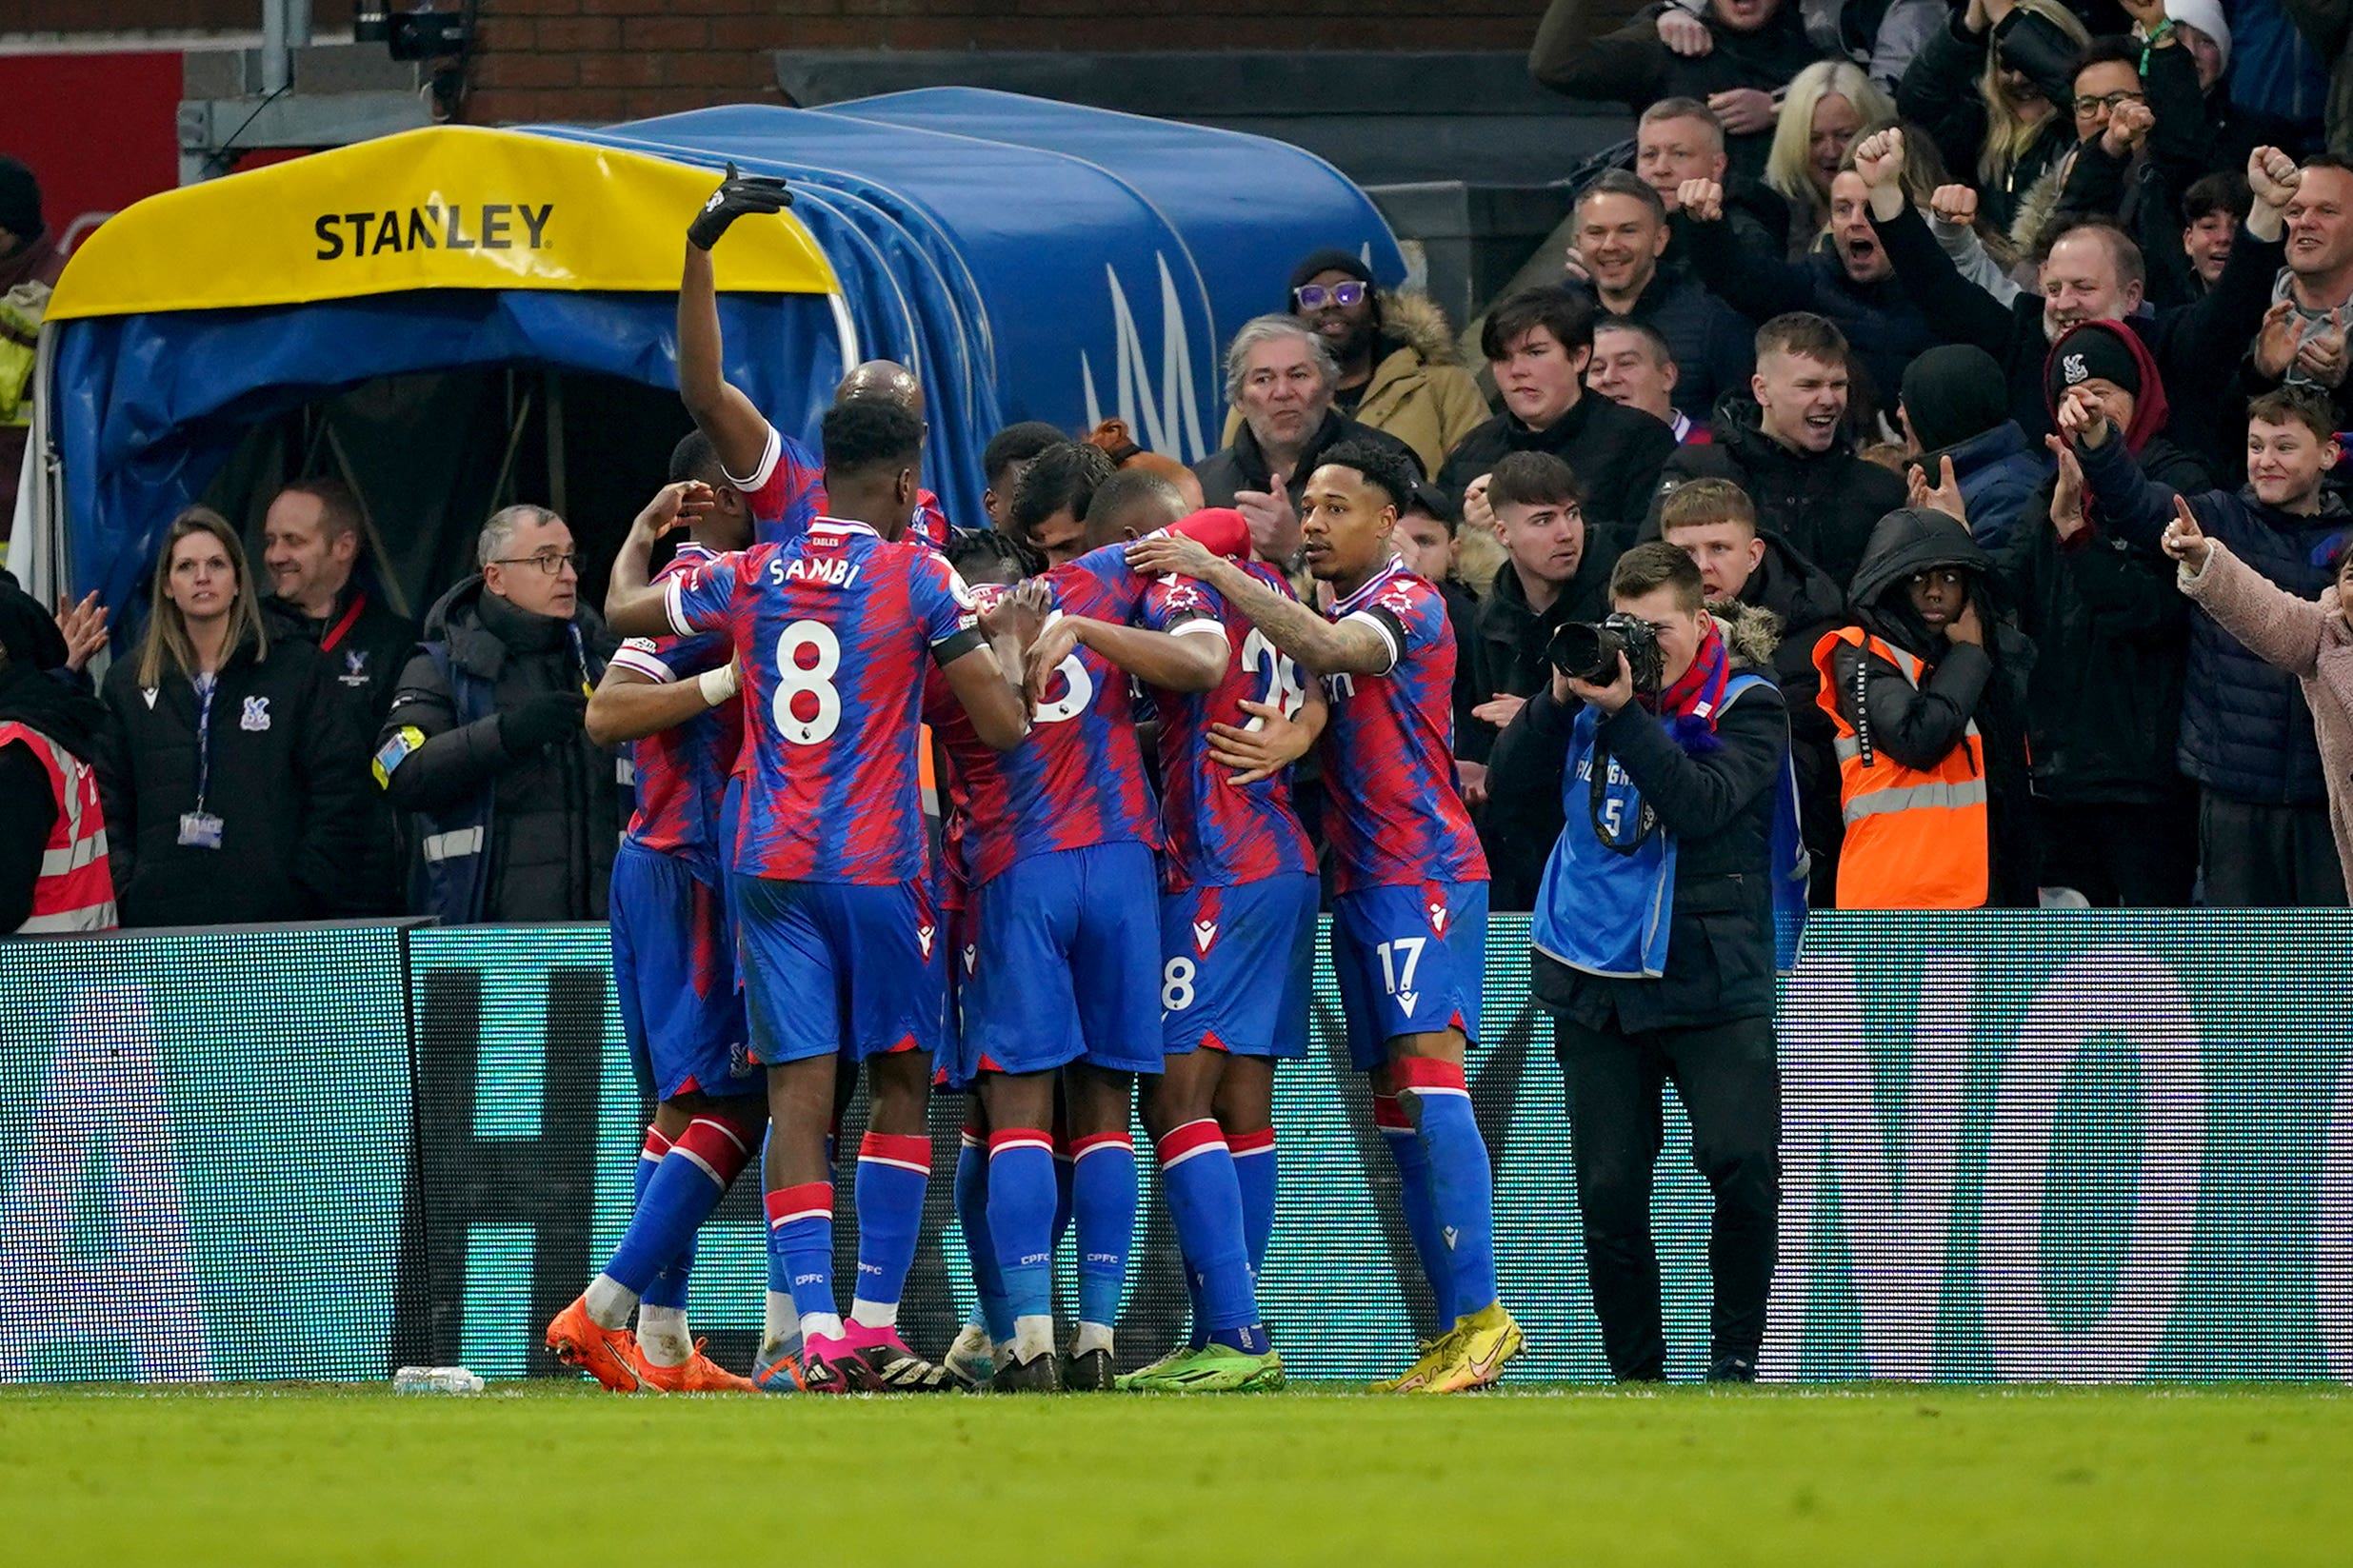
column 1668, row 740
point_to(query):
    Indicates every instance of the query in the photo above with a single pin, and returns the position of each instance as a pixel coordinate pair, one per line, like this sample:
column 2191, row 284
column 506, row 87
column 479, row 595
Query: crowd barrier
column 2095, row 1147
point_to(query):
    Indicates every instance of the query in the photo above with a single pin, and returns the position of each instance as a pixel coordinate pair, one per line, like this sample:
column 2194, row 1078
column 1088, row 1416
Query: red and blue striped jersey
column 1393, row 805
column 1077, row 779
column 835, row 631
column 789, row 489
column 1218, row 833
column 682, row 771
column 784, row 491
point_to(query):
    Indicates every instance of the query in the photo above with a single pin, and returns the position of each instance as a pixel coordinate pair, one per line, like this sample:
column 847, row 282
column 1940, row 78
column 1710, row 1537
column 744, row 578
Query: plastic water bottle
column 435, row 1379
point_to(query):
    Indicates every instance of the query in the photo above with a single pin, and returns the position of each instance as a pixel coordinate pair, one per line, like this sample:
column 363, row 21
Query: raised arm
column 1626, row 66
column 2283, row 630
column 2125, row 501
column 1325, row 647
column 1758, row 287
column 633, row 607
column 978, row 679
column 737, row 429
column 1957, row 309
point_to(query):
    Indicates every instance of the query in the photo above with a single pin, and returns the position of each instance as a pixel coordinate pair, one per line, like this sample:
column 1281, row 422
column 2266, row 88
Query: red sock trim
column 1191, row 1139
column 656, row 1145
column 1422, row 1072
column 804, row 1201
column 1097, row 1143
column 721, row 1150
column 1388, row 1115
column 1018, row 1137
column 1261, row 1142
column 909, row 1149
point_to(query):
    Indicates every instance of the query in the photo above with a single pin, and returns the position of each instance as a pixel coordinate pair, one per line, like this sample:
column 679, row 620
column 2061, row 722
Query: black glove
column 542, row 720
column 737, row 194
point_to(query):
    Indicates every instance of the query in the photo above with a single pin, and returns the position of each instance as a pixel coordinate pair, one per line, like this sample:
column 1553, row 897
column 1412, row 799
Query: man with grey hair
column 516, row 813
column 1279, row 377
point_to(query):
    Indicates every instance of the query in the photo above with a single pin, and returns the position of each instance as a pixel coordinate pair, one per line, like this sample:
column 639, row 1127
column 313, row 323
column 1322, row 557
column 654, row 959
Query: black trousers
column 2139, row 856
column 2267, row 856
column 1729, row 1084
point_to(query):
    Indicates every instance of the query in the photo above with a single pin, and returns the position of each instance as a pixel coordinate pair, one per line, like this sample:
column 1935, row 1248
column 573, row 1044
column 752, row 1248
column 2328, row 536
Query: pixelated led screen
column 2088, row 1147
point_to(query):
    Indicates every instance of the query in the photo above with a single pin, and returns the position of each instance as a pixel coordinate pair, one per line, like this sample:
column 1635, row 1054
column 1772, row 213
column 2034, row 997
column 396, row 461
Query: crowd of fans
column 1911, row 323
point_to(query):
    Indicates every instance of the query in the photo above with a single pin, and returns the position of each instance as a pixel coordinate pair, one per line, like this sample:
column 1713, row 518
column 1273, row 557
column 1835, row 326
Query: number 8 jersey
column 833, row 631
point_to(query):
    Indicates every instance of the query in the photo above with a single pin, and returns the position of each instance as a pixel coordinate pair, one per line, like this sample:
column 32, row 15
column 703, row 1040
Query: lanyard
column 204, row 690
column 327, row 644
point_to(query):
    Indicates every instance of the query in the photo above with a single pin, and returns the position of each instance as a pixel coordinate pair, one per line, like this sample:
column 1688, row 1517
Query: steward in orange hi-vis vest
column 1916, row 839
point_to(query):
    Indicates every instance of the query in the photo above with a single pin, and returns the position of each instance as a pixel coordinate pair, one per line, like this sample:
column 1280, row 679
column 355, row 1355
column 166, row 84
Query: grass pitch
column 557, row 1473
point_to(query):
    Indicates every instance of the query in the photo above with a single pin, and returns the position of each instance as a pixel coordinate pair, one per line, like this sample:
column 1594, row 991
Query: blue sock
column 801, row 1248
column 1419, row 1201
column 1021, row 1218
column 1255, row 1171
column 1433, row 1094
column 989, row 1309
column 893, row 1172
column 658, row 1249
column 667, row 1288
column 1103, row 1201
column 1205, row 1201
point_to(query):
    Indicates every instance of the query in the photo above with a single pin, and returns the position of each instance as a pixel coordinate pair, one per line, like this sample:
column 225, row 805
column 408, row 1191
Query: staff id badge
column 200, row 830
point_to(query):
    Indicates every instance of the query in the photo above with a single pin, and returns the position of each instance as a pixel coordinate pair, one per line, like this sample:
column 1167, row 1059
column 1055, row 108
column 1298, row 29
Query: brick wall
column 625, row 59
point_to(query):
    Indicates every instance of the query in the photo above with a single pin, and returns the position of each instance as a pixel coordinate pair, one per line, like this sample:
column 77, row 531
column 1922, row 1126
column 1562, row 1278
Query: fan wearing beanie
column 1956, row 426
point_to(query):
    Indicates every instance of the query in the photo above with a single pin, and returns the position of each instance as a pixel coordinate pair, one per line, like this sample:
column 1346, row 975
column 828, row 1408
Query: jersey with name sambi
column 835, row 631
column 682, row 771
column 1078, row 778
column 1394, row 811
column 1218, row 833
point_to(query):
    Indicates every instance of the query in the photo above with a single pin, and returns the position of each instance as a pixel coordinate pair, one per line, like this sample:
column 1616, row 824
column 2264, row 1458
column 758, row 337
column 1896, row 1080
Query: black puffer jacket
column 289, row 775
column 553, row 813
column 1882, row 324
column 2246, row 731
column 1941, row 92
column 1822, row 505
column 1632, row 67
column 1615, row 453
column 2111, row 638
column 1805, row 602
column 1719, row 808
column 1966, row 684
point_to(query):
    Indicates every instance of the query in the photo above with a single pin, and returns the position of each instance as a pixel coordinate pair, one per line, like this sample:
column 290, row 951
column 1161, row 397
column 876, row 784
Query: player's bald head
column 1129, row 504
column 882, row 380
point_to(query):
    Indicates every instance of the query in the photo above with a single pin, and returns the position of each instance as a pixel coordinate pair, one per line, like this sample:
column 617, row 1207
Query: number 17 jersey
column 834, row 631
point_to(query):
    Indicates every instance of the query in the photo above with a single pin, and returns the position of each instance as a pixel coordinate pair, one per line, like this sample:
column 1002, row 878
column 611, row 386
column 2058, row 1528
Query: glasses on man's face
column 1314, row 296
column 549, row 562
column 2088, row 105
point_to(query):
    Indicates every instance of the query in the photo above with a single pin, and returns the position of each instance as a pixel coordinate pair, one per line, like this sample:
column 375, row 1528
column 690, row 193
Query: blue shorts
column 841, row 968
column 673, row 967
column 1238, row 965
column 1410, row 960
column 1064, row 964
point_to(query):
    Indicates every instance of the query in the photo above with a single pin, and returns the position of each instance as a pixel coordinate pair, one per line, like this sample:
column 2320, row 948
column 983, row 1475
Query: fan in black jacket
column 249, row 806
column 2093, row 272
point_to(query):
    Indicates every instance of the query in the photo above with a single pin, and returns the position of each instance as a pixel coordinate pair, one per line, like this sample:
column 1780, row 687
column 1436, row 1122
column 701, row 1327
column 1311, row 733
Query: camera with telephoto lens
column 1588, row 651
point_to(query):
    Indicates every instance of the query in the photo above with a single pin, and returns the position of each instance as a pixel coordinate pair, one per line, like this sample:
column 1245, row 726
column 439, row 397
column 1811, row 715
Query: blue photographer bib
column 1609, row 912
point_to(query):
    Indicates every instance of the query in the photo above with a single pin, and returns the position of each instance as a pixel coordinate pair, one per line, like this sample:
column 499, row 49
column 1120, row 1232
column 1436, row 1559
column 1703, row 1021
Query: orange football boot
column 608, row 1354
column 697, row 1374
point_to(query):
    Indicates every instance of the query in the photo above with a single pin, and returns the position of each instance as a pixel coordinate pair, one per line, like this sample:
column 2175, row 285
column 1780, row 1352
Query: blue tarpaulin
column 1029, row 260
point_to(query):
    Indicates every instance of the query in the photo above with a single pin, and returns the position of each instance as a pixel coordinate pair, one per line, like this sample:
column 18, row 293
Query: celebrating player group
column 781, row 915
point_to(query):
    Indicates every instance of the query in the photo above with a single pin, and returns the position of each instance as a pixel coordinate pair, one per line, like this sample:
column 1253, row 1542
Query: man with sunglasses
column 516, row 811
column 1400, row 372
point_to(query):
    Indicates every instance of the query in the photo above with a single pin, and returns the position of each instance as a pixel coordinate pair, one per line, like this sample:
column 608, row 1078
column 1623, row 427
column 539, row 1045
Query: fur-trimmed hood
column 1414, row 321
column 1750, row 633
